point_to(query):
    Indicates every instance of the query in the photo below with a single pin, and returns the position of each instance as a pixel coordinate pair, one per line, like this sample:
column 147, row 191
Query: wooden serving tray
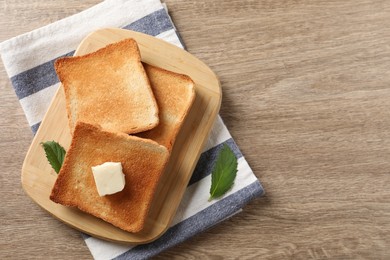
column 38, row 178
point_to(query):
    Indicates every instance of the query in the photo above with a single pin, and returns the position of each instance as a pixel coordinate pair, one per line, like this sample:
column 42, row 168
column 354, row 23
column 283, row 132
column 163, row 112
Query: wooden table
column 306, row 95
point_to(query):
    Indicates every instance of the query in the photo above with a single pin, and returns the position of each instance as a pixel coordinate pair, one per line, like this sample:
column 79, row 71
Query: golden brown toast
column 143, row 162
column 109, row 87
column 174, row 94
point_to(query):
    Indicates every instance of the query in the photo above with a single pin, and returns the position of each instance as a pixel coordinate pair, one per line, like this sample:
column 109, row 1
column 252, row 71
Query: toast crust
column 109, row 87
column 175, row 94
column 143, row 163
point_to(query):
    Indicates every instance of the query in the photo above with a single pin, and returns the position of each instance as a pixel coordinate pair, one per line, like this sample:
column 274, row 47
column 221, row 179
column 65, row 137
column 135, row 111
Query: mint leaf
column 55, row 154
column 224, row 172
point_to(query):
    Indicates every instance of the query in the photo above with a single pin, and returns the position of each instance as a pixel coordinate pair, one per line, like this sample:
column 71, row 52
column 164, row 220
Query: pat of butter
column 109, row 178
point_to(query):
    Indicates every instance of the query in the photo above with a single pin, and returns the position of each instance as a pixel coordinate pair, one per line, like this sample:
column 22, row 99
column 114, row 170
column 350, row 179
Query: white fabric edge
column 36, row 105
column 219, row 134
column 194, row 200
column 196, row 196
column 104, row 250
column 27, row 47
column 171, row 37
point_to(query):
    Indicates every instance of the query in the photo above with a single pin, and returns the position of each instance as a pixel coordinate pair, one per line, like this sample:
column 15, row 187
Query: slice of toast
column 174, row 94
column 109, row 87
column 143, row 162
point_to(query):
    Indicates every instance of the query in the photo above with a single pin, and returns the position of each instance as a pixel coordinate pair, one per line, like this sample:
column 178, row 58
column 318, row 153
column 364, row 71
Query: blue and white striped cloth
column 28, row 60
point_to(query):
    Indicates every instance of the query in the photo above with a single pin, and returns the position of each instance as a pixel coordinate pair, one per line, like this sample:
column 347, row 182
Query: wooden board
column 38, row 177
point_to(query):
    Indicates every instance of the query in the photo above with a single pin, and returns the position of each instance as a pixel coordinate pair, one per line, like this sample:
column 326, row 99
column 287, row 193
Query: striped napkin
column 28, row 60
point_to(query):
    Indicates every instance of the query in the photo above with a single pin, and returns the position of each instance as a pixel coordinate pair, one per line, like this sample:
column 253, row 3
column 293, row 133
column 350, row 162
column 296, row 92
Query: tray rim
column 130, row 33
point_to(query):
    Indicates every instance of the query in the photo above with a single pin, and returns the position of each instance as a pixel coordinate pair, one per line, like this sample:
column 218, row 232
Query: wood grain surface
column 306, row 95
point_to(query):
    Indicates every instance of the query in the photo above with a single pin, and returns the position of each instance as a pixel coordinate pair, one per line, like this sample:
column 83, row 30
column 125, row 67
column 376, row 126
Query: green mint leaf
column 224, row 172
column 55, row 154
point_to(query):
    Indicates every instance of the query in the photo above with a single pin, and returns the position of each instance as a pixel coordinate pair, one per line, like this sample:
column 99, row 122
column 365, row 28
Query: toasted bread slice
column 109, row 87
column 175, row 94
column 143, row 162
